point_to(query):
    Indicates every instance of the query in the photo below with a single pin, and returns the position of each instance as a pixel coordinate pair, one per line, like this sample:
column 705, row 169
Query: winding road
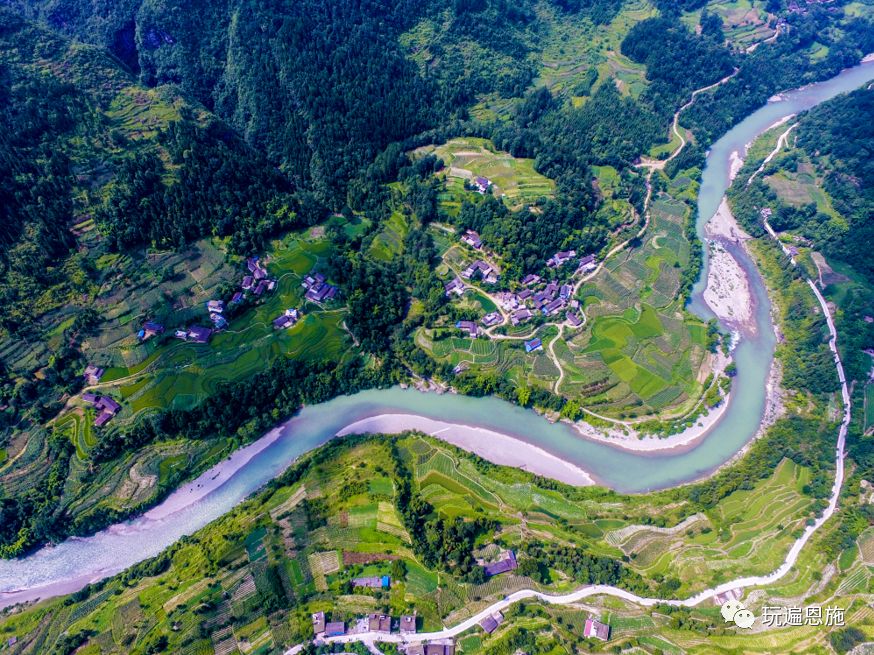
column 587, row 591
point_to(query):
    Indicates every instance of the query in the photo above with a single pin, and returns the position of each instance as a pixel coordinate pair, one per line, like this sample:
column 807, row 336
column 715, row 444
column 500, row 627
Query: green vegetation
column 513, row 180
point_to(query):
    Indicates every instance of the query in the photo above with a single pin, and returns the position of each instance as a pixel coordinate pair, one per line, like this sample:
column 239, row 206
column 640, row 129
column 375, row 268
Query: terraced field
column 513, row 179
column 748, row 531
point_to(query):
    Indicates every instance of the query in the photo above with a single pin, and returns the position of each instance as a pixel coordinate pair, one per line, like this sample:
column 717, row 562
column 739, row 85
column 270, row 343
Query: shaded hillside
column 84, row 146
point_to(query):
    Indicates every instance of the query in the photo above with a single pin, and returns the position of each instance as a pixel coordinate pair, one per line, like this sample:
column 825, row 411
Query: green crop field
column 513, row 179
column 289, row 539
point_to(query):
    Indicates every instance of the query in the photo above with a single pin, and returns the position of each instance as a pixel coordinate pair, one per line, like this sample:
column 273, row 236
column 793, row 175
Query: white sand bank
column 493, row 446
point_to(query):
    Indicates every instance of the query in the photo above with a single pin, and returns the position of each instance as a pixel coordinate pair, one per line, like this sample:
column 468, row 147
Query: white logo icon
column 734, row 611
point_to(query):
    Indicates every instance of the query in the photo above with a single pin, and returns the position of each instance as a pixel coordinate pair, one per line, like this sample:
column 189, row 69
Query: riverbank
column 491, row 445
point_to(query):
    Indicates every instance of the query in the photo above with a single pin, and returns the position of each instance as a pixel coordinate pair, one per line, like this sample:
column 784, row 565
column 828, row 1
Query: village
column 535, row 298
column 255, row 283
column 374, row 625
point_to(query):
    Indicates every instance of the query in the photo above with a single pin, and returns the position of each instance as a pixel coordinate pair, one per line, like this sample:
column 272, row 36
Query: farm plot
column 748, row 531
column 512, row 179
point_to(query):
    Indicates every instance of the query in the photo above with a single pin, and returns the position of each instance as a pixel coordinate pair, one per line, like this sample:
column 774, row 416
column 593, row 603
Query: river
column 69, row 566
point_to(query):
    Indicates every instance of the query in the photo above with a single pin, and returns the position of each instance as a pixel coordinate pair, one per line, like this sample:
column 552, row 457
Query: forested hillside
column 81, row 142
column 820, row 192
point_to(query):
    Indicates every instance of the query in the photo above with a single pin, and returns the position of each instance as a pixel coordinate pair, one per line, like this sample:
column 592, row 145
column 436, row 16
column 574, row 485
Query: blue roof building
column 534, row 344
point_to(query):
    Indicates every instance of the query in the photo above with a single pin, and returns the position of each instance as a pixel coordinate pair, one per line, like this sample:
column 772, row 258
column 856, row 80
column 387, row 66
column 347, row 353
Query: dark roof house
column 199, row 334
column 455, row 286
column 504, row 565
column 335, row 629
column 379, row 623
column 373, row 582
column 92, row 374
column 491, row 623
column 529, row 279
column 408, row 624
column 470, row 327
column 472, row 239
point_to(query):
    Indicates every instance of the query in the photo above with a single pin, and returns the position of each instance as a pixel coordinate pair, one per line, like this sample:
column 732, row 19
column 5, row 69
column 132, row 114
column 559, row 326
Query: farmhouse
column 287, row 320
column 506, row 564
column 455, row 286
column 486, row 270
column 573, row 319
column 472, row 239
column 379, row 623
column 215, row 306
column 561, row 258
column 492, row 318
column 482, row 184
column 432, row 649
column 470, row 327
column 237, row 298
column 551, row 290
column 540, row 299
column 264, row 285
column 248, row 281
column 524, row 295
column 491, row 623
column 372, row 582
column 530, row 279
column 555, row 306
column 566, row 291
column 408, row 624
column 218, row 321
column 106, row 406
column 596, row 629
column 318, row 623
column 533, row 344
column 92, row 374
column 198, row 334
column 150, row 329
column 335, row 629
column 520, row 315
column 587, row 264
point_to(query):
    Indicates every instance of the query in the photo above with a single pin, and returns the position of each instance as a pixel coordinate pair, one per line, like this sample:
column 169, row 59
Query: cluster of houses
column 479, row 268
column 549, row 300
column 382, row 624
column 257, row 281
column 318, row 289
column 106, row 407
column 536, row 298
